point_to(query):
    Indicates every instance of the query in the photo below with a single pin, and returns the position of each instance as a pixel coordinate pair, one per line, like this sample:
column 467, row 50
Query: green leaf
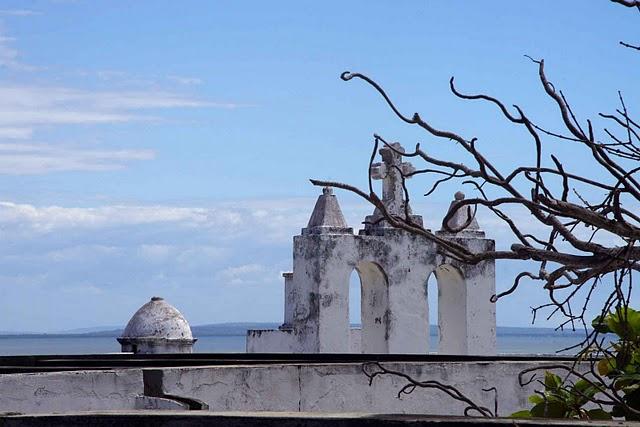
column 551, row 380
column 633, row 399
column 555, row 410
column 624, row 322
column 606, row 365
column 617, row 411
column 521, row 414
column 585, row 388
column 535, row 399
column 583, row 391
column 625, row 380
column 549, row 410
column 598, row 414
column 633, row 319
column 600, row 325
column 538, row 410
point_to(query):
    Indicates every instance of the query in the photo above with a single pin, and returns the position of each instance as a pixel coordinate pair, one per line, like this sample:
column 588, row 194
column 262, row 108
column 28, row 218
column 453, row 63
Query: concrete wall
column 393, row 268
column 344, row 388
column 279, row 387
column 479, row 317
column 355, row 340
column 271, row 341
column 70, row 391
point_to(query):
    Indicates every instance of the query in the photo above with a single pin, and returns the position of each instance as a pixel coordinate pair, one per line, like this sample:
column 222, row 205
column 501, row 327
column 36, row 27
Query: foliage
column 561, row 399
column 618, row 362
column 621, row 361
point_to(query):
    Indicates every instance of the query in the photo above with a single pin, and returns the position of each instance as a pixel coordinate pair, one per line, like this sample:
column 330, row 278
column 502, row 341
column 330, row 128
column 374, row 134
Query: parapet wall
column 296, row 387
column 344, row 387
column 70, row 391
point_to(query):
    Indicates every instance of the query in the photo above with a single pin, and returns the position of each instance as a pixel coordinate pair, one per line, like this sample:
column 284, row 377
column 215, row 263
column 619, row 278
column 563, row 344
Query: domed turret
column 157, row 327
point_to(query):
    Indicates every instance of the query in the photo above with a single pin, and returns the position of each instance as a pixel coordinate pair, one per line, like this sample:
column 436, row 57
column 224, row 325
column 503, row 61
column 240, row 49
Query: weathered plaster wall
column 70, row 391
column 479, row 316
column 271, row 341
column 284, row 387
column 355, row 340
column 237, row 388
column 343, row 387
column 393, row 268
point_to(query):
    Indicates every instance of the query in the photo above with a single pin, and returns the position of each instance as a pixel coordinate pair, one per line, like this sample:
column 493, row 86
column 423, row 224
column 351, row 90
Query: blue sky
column 164, row 148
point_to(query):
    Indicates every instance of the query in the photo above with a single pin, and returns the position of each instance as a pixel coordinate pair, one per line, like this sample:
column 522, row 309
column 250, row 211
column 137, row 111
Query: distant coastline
column 231, row 338
column 240, row 329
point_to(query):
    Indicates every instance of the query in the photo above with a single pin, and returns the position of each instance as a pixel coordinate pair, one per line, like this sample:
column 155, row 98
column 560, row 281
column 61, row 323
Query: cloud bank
column 87, row 266
column 77, row 266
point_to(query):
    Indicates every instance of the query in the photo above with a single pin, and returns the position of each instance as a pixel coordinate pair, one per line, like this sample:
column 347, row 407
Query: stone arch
column 374, row 307
column 452, row 309
column 355, row 299
column 432, row 309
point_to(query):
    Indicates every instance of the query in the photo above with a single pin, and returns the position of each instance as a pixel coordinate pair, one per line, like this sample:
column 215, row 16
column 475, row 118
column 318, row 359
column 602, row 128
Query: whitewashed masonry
column 394, row 267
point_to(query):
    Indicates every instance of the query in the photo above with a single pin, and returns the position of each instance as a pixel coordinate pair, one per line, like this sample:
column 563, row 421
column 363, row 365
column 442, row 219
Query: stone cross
column 390, row 171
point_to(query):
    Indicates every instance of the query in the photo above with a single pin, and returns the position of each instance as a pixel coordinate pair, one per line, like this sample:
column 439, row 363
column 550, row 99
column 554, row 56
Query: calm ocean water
column 526, row 341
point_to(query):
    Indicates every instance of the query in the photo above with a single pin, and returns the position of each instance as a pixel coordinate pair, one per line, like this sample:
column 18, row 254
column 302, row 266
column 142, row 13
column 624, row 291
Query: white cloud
column 27, row 108
column 226, row 254
column 27, row 159
column 246, row 274
column 52, row 218
column 46, row 117
column 9, row 56
column 194, row 257
column 36, row 105
column 231, row 220
column 185, row 256
column 15, row 133
column 154, row 252
column 73, row 253
column 87, row 289
column 222, row 253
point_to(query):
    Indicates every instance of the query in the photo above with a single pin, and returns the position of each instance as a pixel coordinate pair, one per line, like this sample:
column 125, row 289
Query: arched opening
column 432, row 307
column 450, row 309
column 355, row 298
column 355, row 313
column 368, row 306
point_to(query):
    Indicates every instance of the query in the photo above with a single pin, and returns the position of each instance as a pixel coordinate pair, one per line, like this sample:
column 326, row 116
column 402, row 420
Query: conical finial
column 463, row 221
column 327, row 216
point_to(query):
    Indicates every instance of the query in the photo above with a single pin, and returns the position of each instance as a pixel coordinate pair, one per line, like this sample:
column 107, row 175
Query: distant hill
column 229, row 329
column 240, row 329
column 216, row 329
column 95, row 329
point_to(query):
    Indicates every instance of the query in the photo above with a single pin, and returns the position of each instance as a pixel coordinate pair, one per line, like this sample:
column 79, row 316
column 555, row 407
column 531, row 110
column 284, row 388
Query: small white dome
column 158, row 319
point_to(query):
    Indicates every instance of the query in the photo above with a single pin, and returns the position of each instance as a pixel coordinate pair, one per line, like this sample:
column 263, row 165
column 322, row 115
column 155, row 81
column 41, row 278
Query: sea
column 231, row 339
